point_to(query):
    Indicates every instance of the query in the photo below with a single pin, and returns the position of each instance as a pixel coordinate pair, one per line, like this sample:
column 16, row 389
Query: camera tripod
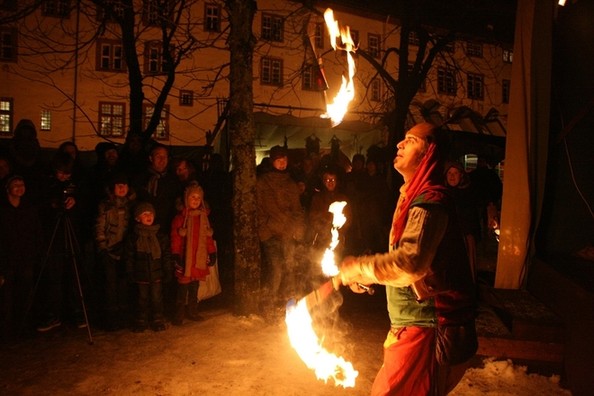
column 71, row 249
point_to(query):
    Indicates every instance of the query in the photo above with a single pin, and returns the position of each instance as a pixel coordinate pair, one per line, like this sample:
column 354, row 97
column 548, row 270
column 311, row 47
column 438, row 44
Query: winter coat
column 280, row 213
column 142, row 267
column 112, row 224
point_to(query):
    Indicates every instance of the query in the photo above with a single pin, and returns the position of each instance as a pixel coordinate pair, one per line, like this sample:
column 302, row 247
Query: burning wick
column 337, row 110
column 299, row 323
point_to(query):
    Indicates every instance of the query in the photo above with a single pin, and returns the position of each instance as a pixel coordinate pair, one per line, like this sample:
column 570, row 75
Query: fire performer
column 427, row 277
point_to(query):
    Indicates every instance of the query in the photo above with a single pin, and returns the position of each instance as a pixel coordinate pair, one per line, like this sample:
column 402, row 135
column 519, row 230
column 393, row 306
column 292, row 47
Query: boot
column 178, row 318
column 193, row 302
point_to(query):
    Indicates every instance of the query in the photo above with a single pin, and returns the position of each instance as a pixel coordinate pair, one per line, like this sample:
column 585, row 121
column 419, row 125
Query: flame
column 299, row 323
column 336, row 110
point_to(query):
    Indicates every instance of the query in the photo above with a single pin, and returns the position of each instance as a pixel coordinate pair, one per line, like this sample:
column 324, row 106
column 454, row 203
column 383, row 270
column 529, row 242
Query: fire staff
column 428, row 283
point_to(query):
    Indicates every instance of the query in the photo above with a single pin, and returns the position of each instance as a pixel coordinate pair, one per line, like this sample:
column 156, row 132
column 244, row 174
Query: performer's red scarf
column 427, row 181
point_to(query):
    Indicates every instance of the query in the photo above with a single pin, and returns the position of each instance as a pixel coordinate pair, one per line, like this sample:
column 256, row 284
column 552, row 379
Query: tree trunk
column 242, row 132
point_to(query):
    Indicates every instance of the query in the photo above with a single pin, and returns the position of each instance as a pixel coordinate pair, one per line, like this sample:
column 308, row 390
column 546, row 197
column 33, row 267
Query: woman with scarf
column 193, row 250
column 428, row 282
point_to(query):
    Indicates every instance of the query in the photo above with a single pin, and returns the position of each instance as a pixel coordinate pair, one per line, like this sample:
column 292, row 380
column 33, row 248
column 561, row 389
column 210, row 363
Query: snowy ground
column 223, row 355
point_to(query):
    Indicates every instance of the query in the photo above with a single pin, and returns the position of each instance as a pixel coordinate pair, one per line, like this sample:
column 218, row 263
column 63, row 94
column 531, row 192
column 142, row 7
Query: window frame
column 508, row 55
column 311, row 78
column 272, row 28
column 372, row 49
column 505, row 90
column 267, row 78
column 10, row 44
column 319, row 30
column 113, row 45
column 164, row 124
column 45, row 120
column 8, row 115
column 474, row 49
column 475, row 86
column 183, row 95
column 61, row 9
column 446, row 81
column 158, row 60
column 375, row 88
column 212, row 23
column 112, row 116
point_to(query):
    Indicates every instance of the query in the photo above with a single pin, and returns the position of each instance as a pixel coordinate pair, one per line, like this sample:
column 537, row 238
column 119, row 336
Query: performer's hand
column 356, row 289
column 350, row 271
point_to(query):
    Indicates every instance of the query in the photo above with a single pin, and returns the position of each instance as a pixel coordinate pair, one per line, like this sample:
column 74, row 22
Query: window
column 46, row 120
column 186, row 98
column 413, row 38
column 373, row 45
column 162, row 131
column 355, row 37
column 508, row 56
column 154, row 63
column 423, row 85
column 312, row 78
column 8, row 45
column 56, row 8
column 111, row 10
column 111, row 119
column 212, row 17
column 450, row 47
column 376, row 90
column 6, row 116
column 271, row 71
column 474, row 49
column 505, row 90
column 446, row 81
column 319, row 35
column 155, row 12
column 475, row 86
column 110, row 55
column 272, row 27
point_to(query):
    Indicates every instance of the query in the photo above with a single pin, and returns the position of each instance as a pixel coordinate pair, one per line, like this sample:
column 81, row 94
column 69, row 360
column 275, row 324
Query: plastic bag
column 211, row 286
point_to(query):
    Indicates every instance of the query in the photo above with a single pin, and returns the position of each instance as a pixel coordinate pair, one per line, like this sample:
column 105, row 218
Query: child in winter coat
column 193, row 251
column 148, row 266
column 111, row 226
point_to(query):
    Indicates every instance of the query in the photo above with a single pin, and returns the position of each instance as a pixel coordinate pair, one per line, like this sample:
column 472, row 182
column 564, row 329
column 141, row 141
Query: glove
column 212, row 259
column 177, row 267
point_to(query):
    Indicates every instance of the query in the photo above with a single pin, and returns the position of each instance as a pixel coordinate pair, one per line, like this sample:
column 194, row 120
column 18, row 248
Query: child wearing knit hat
column 148, row 264
column 193, row 250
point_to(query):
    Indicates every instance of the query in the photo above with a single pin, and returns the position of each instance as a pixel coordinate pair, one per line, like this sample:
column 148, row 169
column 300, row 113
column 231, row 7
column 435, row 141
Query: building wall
column 47, row 82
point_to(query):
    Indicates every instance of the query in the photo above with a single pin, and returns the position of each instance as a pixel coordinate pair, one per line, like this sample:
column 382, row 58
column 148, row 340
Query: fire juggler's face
column 410, row 153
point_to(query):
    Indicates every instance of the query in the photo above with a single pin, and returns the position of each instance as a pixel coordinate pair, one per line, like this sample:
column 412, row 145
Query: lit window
column 56, row 8
column 475, row 86
column 8, row 45
column 474, row 49
column 110, row 55
column 212, row 18
column 373, row 45
column 162, row 130
column 186, row 98
column 446, row 81
column 6, row 116
column 111, row 10
column 505, row 90
column 508, row 56
column 376, row 90
column 272, row 27
column 111, row 118
column 271, row 71
column 46, row 120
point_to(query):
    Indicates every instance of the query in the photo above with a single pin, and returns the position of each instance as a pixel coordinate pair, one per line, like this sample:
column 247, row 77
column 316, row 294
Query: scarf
column 147, row 241
column 425, row 184
column 196, row 221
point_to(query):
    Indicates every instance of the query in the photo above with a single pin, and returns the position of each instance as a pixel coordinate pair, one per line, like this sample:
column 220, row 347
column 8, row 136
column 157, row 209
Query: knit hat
column 143, row 207
column 278, row 152
column 193, row 187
